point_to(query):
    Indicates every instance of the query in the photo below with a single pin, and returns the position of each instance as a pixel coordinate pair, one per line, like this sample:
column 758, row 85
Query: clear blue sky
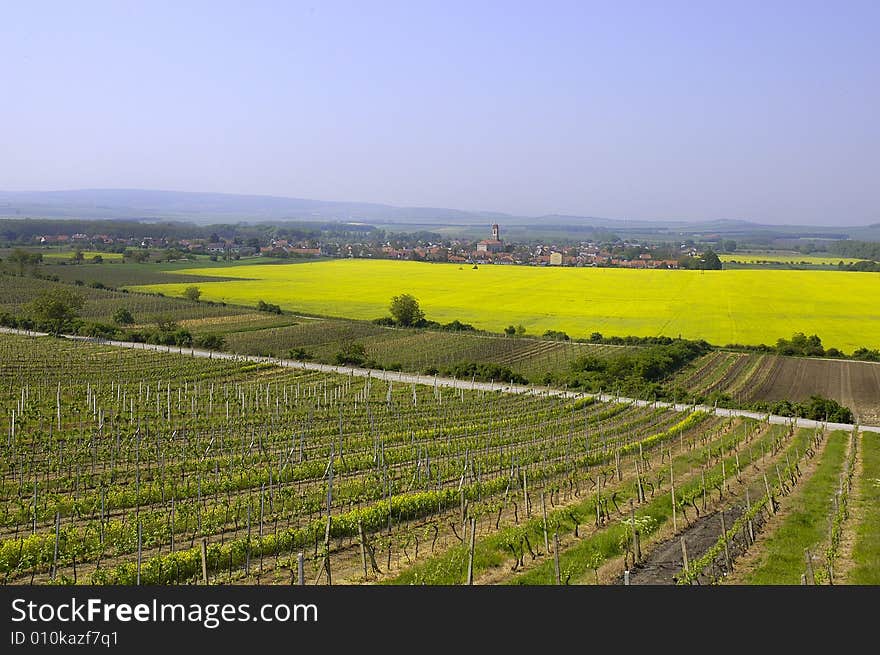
column 768, row 111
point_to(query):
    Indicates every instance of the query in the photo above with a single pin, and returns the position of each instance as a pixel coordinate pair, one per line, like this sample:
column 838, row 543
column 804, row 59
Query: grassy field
column 786, row 258
column 866, row 554
column 743, row 306
column 805, row 527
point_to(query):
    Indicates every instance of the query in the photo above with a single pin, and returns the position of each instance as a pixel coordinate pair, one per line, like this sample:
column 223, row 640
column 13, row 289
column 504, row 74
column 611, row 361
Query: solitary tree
column 192, row 293
column 56, row 308
column 406, row 311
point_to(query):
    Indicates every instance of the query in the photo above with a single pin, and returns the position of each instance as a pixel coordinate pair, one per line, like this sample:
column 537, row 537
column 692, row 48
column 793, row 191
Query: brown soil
column 853, row 384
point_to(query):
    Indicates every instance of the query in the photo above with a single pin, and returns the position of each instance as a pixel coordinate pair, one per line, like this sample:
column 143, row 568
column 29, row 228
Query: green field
column 786, row 258
column 55, row 255
column 739, row 306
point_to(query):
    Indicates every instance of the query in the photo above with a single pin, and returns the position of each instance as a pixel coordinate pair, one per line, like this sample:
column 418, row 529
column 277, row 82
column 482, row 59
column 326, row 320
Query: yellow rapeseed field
column 736, row 306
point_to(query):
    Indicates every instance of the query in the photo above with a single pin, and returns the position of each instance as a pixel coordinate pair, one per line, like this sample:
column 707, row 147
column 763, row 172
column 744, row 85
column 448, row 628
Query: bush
column 816, row 408
column 800, row 344
column 98, row 330
column 486, row 373
column 268, row 307
column 458, row 326
column 352, row 354
column 210, row 341
column 867, row 355
column 299, row 353
column 635, row 373
column 123, row 316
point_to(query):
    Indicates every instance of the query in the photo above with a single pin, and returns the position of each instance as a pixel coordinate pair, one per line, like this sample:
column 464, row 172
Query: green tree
column 510, row 330
column 406, row 311
column 192, row 293
column 97, row 259
column 122, row 316
column 210, row 341
column 23, row 259
column 78, row 256
column 165, row 323
column 710, row 261
column 56, row 309
column 729, row 245
column 353, row 354
column 520, row 330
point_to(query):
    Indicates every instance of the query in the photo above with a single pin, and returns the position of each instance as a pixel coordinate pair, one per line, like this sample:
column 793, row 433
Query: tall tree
column 406, row 311
column 55, row 309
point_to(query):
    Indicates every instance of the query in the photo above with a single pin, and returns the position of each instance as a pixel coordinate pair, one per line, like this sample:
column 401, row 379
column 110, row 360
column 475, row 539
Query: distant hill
column 212, row 208
column 218, row 207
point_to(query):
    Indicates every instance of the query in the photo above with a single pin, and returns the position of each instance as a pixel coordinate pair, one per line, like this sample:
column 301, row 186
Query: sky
column 763, row 111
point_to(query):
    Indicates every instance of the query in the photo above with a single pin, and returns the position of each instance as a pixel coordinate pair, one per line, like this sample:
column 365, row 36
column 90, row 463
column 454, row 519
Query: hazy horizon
column 763, row 112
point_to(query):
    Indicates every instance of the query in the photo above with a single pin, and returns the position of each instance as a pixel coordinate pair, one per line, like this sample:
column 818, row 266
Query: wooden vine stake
column 672, row 487
column 470, row 569
column 808, row 559
column 769, row 495
column 556, row 557
column 726, row 545
column 204, row 561
column 363, row 547
column 544, row 512
column 55, row 555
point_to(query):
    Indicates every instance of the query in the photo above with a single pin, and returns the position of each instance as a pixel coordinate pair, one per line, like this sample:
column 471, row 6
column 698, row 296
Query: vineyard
column 100, row 303
column 130, row 466
column 415, row 350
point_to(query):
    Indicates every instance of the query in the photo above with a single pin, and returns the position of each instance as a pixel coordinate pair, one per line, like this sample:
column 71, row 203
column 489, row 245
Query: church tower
column 496, row 232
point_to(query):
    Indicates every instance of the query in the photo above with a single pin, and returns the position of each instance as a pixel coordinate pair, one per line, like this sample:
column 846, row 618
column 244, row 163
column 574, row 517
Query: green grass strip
column 807, row 524
column 866, row 553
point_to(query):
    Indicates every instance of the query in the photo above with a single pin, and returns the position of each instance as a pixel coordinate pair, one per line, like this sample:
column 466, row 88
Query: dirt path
column 666, row 560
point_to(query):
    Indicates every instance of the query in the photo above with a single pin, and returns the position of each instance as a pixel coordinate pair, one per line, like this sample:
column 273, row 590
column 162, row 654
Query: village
column 376, row 244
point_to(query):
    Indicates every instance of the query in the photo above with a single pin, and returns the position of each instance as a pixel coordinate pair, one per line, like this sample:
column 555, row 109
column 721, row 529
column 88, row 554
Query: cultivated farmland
column 722, row 307
column 749, row 377
column 118, row 465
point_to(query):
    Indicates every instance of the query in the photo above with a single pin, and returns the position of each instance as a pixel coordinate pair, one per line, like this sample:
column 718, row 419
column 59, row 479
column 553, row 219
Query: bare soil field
column 854, row 384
